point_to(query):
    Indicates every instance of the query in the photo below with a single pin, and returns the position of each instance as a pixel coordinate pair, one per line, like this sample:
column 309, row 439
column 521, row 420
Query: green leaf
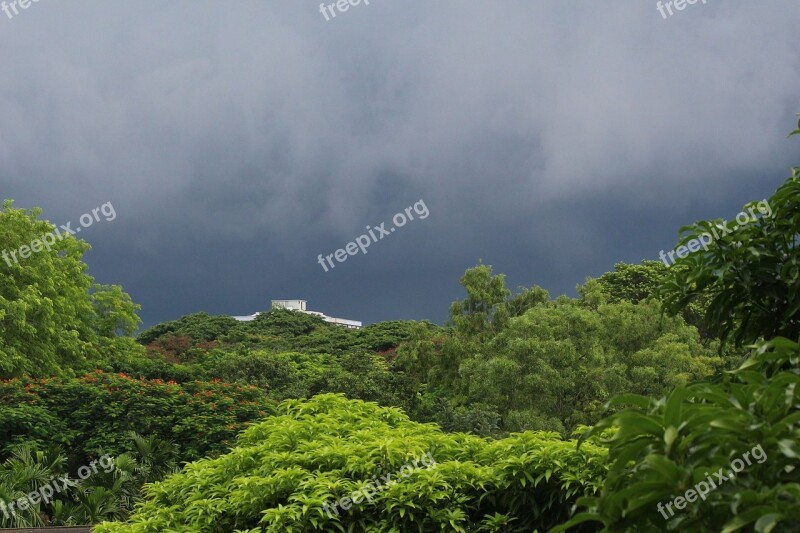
column 788, row 448
column 767, row 523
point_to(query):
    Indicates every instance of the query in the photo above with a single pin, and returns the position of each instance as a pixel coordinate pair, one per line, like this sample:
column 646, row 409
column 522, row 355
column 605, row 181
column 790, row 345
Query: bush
column 100, row 410
column 284, row 470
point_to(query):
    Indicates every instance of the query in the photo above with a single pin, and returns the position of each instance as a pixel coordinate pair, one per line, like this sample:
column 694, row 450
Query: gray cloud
column 238, row 141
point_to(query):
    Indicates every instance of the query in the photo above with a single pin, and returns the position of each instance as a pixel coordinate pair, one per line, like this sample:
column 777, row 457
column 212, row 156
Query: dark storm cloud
column 239, row 140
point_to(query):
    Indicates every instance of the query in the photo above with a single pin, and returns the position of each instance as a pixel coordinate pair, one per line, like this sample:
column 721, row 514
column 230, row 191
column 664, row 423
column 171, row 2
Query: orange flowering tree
column 93, row 414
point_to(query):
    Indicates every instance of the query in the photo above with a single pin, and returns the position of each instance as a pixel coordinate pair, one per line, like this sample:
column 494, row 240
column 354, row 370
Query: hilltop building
column 300, row 307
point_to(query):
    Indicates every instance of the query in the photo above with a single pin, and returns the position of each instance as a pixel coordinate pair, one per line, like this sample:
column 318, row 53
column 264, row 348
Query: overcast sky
column 239, row 140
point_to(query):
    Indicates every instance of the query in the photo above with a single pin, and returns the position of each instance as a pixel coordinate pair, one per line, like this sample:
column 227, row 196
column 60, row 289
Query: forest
column 604, row 411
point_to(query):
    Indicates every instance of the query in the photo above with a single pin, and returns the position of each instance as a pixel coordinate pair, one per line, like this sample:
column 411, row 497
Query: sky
column 239, row 141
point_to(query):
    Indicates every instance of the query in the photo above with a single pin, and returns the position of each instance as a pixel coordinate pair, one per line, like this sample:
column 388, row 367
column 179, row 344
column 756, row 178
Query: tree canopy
column 52, row 319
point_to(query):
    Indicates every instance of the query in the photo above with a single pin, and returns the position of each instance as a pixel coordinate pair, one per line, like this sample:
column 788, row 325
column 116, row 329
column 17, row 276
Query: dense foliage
column 106, row 490
column 53, row 320
column 284, row 470
column 94, row 414
column 751, row 274
column 277, row 330
column 530, row 362
column 696, row 432
column 682, row 371
column 638, row 283
column 663, row 449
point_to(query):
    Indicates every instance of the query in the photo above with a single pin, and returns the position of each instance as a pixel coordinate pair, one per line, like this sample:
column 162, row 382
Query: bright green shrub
column 285, row 469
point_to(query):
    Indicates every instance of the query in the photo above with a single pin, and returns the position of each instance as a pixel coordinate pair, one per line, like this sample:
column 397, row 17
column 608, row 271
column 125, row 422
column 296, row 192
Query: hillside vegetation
column 607, row 411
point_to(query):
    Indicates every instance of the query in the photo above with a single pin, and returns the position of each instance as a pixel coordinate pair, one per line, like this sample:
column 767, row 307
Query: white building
column 300, row 306
column 291, row 305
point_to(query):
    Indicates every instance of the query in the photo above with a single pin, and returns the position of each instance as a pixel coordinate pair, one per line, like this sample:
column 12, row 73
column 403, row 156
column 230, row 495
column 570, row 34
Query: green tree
column 94, row 414
column 561, row 362
column 116, row 314
column 750, row 274
column 47, row 320
column 633, row 283
column 527, row 298
column 661, row 449
column 477, row 315
column 200, row 327
column 285, row 323
column 116, row 320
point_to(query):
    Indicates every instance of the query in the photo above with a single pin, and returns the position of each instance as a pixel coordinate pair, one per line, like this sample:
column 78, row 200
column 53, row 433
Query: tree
column 285, row 323
column 527, row 298
column 200, row 327
column 556, row 365
column 116, row 320
column 93, row 414
column 633, row 282
column 665, row 449
column 661, row 450
column 477, row 313
column 750, row 273
column 116, row 314
column 47, row 321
